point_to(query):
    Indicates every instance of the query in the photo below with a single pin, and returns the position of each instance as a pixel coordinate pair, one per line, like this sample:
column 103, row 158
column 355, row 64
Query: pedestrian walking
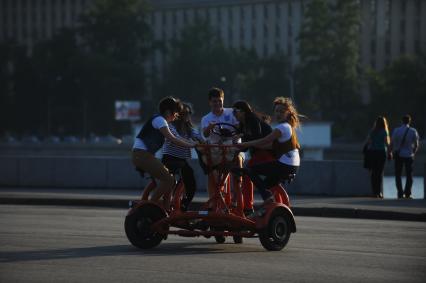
column 405, row 143
column 378, row 144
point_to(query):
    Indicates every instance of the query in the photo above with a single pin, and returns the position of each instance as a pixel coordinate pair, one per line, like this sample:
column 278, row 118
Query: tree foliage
column 328, row 74
column 400, row 89
column 198, row 60
column 71, row 81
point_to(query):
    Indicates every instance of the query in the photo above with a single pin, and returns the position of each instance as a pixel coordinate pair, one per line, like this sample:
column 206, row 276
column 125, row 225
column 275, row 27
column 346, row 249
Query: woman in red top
column 253, row 126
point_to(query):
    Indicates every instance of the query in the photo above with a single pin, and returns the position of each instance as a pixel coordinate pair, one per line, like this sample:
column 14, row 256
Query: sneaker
column 408, row 196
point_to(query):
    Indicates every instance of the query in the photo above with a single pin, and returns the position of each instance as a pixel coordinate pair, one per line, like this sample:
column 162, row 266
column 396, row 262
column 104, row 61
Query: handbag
column 367, row 164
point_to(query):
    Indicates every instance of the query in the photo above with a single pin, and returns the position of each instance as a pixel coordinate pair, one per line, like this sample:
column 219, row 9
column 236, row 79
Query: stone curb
column 297, row 210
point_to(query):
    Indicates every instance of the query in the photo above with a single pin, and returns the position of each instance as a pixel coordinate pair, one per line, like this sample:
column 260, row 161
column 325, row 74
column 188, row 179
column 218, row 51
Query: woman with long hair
column 176, row 157
column 285, row 146
column 253, row 126
column 378, row 143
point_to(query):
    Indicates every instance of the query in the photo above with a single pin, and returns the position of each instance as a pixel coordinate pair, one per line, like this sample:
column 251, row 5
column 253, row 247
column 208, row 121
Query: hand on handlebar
column 236, row 137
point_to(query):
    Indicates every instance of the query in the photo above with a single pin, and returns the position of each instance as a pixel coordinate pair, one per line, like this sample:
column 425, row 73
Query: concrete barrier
column 333, row 178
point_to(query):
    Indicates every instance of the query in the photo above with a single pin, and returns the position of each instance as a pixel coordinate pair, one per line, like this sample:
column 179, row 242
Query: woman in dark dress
column 253, row 126
column 378, row 143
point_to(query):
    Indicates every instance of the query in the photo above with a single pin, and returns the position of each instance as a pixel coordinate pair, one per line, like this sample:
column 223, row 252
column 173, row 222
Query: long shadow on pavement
column 164, row 249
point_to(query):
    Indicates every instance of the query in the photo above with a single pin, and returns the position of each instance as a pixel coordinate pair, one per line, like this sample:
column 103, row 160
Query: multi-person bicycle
column 148, row 223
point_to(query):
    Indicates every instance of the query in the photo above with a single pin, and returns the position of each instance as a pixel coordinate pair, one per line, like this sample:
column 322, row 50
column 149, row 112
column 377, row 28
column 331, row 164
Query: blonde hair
column 293, row 117
column 381, row 123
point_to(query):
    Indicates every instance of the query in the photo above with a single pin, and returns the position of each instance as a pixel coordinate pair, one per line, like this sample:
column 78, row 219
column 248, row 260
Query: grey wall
column 334, row 178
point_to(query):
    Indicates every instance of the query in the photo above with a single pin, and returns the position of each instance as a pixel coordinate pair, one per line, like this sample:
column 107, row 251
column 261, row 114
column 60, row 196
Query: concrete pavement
column 322, row 206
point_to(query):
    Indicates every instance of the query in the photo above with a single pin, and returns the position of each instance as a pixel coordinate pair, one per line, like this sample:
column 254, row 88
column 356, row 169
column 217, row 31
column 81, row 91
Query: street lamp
column 291, row 82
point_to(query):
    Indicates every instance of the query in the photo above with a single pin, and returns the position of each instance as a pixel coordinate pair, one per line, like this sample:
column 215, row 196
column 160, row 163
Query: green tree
column 118, row 29
column 16, row 88
column 198, row 60
column 400, row 89
column 117, row 40
column 328, row 75
column 267, row 79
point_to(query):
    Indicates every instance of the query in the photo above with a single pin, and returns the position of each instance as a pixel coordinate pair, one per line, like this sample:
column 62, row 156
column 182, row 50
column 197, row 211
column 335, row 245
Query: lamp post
column 291, row 83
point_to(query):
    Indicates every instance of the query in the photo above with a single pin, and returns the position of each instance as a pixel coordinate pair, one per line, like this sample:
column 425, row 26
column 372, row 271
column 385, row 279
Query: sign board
column 127, row 110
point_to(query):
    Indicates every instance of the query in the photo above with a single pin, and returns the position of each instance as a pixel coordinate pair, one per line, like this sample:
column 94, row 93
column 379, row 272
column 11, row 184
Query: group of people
column 274, row 152
column 401, row 147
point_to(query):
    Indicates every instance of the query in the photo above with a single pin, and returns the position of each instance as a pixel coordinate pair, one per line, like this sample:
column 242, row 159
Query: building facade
column 389, row 28
column 30, row 21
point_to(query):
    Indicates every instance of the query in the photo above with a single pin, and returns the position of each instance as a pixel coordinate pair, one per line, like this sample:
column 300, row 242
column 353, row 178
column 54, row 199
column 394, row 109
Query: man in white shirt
column 218, row 114
column 405, row 143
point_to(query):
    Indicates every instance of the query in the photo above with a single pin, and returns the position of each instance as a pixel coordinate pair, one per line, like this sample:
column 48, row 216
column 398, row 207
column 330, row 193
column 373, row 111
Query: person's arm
column 179, row 141
column 388, row 145
column 416, row 142
column 263, row 141
column 205, row 126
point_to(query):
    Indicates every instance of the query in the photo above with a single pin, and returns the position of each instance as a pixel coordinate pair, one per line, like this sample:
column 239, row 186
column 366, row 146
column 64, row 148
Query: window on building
column 387, row 27
column 417, row 47
column 402, row 47
column 290, row 30
column 242, row 13
column 277, row 47
column 290, row 12
column 402, row 26
column 387, row 7
column 373, row 47
column 417, row 28
column 174, row 18
column 373, row 7
column 196, row 14
column 185, row 17
column 202, row 13
column 265, row 11
column 374, row 26
column 418, row 8
column 387, row 47
column 209, row 17
column 278, row 11
column 253, row 12
column 56, row 17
